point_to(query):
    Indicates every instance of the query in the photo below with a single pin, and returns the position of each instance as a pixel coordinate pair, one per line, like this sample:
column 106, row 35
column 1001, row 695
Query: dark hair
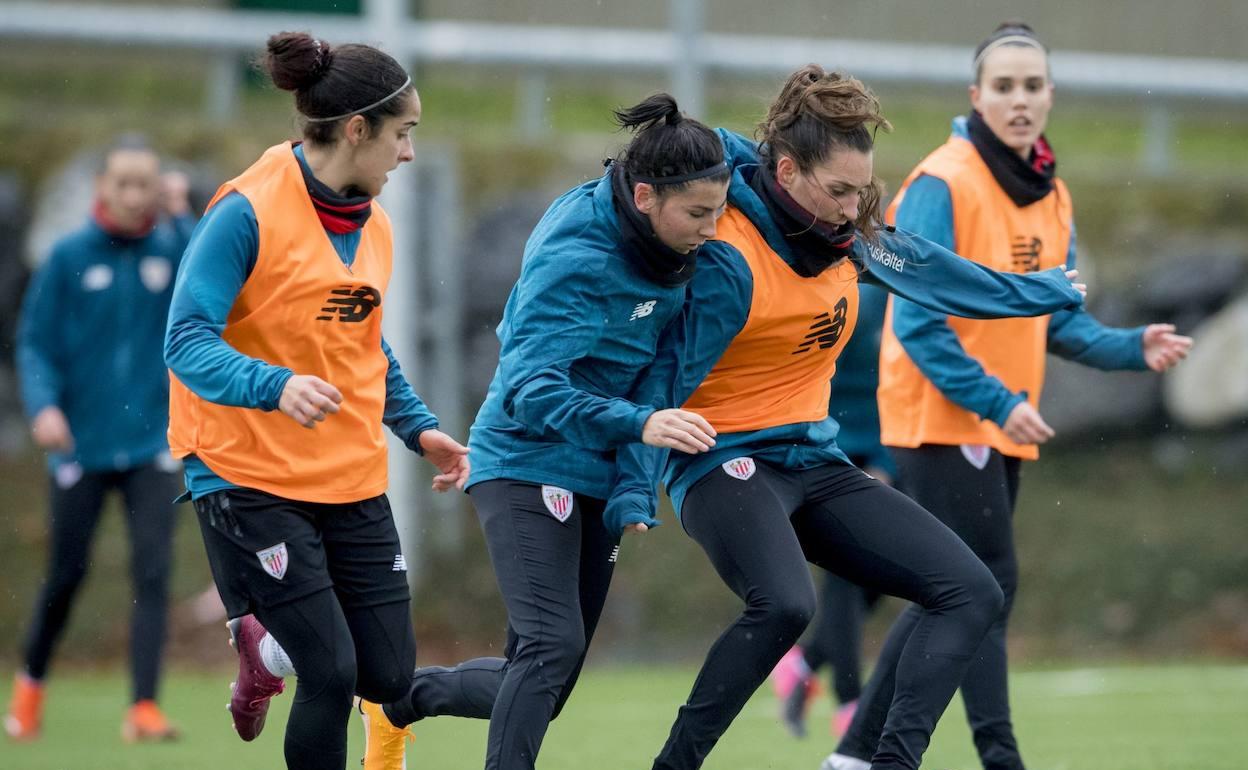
column 667, row 143
column 1011, row 28
column 818, row 112
column 131, row 141
column 331, row 81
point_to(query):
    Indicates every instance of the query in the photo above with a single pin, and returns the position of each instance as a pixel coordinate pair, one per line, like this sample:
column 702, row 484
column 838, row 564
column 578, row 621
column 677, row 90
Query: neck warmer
column 1025, row 181
column 99, row 212
column 658, row 261
column 816, row 245
column 339, row 214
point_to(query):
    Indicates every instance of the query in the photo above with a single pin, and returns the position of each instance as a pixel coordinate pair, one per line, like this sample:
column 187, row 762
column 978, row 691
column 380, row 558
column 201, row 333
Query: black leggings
column 338, row 653
column 148, row 494
column 760, row 533
column 977, row 504
column 837, row 635
column 554, row 577
column 334, row 597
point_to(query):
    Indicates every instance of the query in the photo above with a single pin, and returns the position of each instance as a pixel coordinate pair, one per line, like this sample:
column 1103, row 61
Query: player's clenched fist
column 308, row 399
column 678, row 429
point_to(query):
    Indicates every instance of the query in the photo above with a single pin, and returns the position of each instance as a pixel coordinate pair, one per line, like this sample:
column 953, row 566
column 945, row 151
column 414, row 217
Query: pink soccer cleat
column 843, row 717
column 788, row 672
column 249, row 704
column 794, row 684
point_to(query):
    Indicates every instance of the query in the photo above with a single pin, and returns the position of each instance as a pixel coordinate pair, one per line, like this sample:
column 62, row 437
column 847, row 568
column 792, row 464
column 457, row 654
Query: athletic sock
column 275, row 658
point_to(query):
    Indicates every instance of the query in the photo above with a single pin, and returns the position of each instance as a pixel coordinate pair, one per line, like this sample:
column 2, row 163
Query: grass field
column 1173, row 717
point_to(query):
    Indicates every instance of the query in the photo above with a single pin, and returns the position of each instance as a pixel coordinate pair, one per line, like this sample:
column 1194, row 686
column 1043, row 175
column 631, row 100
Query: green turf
column 1180, row 717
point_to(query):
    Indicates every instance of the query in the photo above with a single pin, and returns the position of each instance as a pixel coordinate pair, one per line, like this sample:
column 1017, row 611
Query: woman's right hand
column 1026, row 426
column 51, row 431
column 678, row 429
column 308, row 399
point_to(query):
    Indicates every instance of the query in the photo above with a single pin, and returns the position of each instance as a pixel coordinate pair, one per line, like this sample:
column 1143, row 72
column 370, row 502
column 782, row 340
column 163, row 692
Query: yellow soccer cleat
column 385, row 746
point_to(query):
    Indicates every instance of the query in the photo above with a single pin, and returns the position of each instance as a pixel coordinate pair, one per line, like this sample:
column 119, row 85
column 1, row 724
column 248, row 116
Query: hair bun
column 297, row 61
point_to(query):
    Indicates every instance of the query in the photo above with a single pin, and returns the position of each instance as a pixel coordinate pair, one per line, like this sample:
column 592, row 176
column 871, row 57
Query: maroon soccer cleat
column 249, row 704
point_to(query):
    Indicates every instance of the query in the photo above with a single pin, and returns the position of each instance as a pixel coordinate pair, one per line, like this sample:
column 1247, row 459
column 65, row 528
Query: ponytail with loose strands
column 818, row 112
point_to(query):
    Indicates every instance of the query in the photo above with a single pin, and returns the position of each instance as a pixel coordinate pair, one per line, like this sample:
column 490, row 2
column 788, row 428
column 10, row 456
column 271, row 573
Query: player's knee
column 338, row 677
column 66, row 579
column 567, row 644
column 984, row 597
column 384, row 686
column 790, row 613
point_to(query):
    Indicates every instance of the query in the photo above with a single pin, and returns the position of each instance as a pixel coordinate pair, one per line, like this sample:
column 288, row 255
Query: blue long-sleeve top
column 218, row 261
column 853, row 402
column 717, row 308
column 579, row 328
column 930, row 342
column 89, row 342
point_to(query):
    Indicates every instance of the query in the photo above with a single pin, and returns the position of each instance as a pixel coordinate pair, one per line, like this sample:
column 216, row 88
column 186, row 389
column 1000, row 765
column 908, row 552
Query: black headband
column 718, row 168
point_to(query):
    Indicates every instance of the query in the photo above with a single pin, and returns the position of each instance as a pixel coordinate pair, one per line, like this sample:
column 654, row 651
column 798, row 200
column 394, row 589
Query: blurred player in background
column 282, row 383
column 94, row 386
column 958, row 398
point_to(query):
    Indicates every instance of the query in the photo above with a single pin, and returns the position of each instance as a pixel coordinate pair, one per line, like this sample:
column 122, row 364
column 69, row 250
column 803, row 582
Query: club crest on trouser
column 274, row 560
column 977, row 454
column 740, row 467
column 558, row 501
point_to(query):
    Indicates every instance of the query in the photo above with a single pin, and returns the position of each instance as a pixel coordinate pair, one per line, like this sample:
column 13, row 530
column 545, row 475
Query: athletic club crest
column 155, row 273
column 558, row 501
column 976, row 454
column 740, row 467
column 274, row 560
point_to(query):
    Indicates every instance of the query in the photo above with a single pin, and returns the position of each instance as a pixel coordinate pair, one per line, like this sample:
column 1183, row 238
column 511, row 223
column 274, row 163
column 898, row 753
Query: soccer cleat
column 145, row 723
column 385, row 746
column 843, row 717
column 25, row 715
column 844, row 762
column 791, row 668
column 793, row 708
column 255, row 686
column 794, row 685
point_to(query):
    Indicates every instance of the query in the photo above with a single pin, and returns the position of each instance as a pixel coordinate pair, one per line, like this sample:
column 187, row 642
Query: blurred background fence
column 1132, row 528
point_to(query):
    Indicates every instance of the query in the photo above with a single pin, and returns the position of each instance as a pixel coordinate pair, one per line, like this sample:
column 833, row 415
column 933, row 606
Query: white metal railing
column 557, row 47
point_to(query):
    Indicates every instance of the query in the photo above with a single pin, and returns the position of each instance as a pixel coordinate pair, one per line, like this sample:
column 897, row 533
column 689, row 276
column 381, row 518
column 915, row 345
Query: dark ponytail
column 333, row 83
column 818, row 112
column 666, row 143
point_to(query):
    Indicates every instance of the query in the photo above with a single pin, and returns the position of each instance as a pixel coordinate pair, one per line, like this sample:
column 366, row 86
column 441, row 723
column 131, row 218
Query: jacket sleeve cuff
column 1002, row 412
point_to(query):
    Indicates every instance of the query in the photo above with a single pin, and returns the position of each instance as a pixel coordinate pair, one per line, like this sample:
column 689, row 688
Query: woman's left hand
column 1163, row 348
column 447, row 455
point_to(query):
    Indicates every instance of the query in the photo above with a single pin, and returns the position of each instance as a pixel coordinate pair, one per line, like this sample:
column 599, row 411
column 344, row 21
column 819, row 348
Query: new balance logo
column 350, row 304
column 400, row 563
column 643, row 309
column 825, row 330
column 615, row 555
column 1025, row 252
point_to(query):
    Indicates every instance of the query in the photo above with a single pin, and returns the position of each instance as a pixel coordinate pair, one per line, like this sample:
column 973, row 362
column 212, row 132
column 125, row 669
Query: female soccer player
column 99, row 304
column 281, row 385
column 773, row 304
column 958, row 398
